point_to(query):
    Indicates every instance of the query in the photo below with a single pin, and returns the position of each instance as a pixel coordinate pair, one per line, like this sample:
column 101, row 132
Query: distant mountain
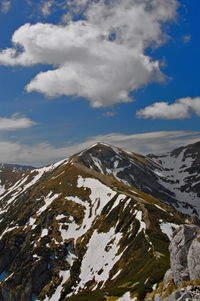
column 15, row 167
column 10, row 174
column 95, row 226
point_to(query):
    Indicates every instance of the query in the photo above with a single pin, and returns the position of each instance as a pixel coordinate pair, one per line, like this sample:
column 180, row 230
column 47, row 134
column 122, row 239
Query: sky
column 77, row 72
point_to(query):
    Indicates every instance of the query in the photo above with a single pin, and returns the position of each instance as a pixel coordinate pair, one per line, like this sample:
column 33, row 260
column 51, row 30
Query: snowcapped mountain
column 181, row 174
column 173, row 178
column 95, row 226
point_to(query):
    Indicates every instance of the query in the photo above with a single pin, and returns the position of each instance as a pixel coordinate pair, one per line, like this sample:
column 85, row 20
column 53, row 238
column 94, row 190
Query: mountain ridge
column 85, row 231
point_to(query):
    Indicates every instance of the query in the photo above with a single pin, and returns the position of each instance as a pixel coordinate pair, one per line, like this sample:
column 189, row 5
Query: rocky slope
column 182, row 280
column 94, row 226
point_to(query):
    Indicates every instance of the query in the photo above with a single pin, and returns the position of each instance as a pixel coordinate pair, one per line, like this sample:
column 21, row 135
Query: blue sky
column 76, row 72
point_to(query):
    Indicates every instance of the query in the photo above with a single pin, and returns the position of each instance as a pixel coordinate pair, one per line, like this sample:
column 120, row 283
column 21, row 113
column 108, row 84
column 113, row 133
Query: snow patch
column 65, row 275
column 48, row 200
column 138, row 216
column 44, row 232
column 167, row 228
column 127, row 297
column 105, row 246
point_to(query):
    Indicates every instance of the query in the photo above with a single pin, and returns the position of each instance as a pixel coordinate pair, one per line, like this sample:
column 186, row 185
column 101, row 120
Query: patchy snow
column 48, row 200
column 105, row 246
column 116, row 163
column 70, row 258
column 176, row 175
column 8, row 230
column 138, row 216
column 60, row 216
column 126, row 297
column 91, row 211
column 127, row 203
column 44, row 232
column 16, row 187
column 97, row 163
column 99, row 191
column 31, row 223
column 167, row 228
column 65, row 275
column 23, row 184
column 120, row 198
column 100, row 195
column 160, row 207
column 2, row 188
column 117, row 274
column 9, row 276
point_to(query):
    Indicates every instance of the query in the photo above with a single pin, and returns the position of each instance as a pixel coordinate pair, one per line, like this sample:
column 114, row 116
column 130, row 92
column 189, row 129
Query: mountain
column 94, row 226
column 173, row 178
column 181, row 174
column 10, row 174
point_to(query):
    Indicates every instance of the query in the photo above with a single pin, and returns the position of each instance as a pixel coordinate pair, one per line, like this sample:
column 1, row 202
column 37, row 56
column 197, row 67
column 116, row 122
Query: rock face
column 194, row 258
column 182, row 281
column 179, row 248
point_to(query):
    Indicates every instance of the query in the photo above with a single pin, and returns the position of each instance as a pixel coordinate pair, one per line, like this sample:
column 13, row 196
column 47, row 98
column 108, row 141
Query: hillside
column 94, row 226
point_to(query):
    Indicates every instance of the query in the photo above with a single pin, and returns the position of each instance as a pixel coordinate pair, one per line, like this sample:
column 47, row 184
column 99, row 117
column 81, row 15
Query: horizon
column 80, row 151
column 74, row 73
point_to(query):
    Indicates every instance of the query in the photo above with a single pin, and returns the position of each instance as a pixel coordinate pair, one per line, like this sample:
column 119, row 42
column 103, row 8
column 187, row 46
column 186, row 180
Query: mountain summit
column 94, row 226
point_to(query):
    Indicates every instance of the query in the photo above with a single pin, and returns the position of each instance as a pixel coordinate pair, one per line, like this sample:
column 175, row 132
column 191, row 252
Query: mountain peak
column 86, row 227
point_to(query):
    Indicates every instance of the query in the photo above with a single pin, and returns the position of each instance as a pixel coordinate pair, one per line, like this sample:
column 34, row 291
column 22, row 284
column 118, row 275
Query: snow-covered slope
column 95, row 226
column 173, row 178
column 181, row 175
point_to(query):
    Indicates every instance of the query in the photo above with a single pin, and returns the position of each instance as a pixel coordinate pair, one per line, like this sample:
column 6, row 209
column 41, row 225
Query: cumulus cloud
column 15, row 122
column 100, row 57
column 5, row 6
column 44, row 153
column 180, row 109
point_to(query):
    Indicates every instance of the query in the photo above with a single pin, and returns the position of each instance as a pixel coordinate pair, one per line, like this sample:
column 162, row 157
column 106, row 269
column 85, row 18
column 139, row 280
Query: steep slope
column 73, row 231
column 181, row 174
column 10, row 174
column 150, row 173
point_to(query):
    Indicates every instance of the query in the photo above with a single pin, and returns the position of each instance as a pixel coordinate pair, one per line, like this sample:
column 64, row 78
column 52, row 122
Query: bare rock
column 179, row 248
column 194, row 258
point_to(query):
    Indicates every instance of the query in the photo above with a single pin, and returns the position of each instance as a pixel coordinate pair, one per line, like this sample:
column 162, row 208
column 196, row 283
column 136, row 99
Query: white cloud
column 180, row 109
column 15, row 122
column 101, row 58
column 5, row 6
column 46, row 7
column 42, row 154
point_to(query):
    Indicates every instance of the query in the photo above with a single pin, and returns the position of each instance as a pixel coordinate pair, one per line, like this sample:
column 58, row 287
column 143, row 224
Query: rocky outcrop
column 179, row 249
column 182, row 281
column 194, row 258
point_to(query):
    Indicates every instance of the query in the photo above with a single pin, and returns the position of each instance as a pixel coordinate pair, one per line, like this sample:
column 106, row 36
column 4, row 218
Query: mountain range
column 95, row 226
